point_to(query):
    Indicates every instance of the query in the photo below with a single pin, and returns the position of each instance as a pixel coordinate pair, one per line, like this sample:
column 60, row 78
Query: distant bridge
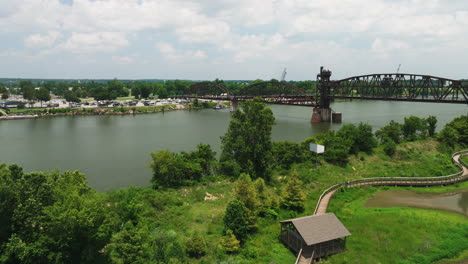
column 381, row 86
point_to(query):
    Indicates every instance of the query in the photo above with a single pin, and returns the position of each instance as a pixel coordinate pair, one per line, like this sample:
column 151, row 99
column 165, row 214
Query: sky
column 231, row 39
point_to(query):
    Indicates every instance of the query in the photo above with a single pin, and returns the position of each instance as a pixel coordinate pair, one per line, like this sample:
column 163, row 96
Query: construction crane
column 283, row 76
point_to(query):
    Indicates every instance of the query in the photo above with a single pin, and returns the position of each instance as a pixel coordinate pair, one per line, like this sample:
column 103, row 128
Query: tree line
column 109, row 90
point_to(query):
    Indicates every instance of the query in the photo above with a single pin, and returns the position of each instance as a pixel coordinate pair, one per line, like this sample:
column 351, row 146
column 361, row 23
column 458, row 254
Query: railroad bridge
column 380, row 86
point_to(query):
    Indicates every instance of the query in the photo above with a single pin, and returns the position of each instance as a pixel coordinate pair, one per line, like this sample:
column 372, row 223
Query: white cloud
column 95, row 42
column 341, row 33
column 123, row 59
column 41, row 40
column 172, row 54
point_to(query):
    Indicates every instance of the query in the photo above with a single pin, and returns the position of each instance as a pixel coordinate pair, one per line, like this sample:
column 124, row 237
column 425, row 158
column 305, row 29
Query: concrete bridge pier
column 234, row 105
column 321, row 114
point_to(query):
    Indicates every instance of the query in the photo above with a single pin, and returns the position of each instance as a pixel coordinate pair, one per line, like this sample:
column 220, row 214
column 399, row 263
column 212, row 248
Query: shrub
column 229, row 242
column 196, row 245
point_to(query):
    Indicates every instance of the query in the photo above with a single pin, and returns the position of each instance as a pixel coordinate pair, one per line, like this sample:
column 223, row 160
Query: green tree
column 431, row 125
column 389, row 147
column 455, row 132
column 229, row 242
column 248, row 139
column 196, row 245
column 43, row 95
column 413, row 127
column 71, row 96
column 162, row 92
column 286, row 153
column 172, row 170
column 205, row 156
column 293, row 198
column 244, row 191
column 116, row 88
column 391, row 131
column 263, row 197
column 130, row 245
column 365, row 140
column 5, row 95
column 236, row 219
column 27, row 89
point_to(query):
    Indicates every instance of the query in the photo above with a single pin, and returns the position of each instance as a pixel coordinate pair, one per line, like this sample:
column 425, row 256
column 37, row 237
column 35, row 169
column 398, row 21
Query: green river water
column 113, row 151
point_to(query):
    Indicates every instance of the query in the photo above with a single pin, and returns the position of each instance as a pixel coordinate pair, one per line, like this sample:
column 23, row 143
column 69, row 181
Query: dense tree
column 236, row 220
column 172, row 170
column 391, row 131
column 27, row 89
column 161, row 91
column 205, row 156
column 431, row 122
column 166, row 247
column 455, row 132
column 196, row 245
column 71, row 96
column 244, row 191
column 293, row 197
column 264, row 199
column 286, row 153
column 50, row 217
column 365, row 141
column 229, row 242
column 413, row 127
column 43, row 95
column 389, row 147
column 103, row 93
column 5, row 95
column 248, row 139
column 116, row 88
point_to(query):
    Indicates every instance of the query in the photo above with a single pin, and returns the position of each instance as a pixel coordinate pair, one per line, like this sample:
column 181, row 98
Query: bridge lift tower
column 322, row 111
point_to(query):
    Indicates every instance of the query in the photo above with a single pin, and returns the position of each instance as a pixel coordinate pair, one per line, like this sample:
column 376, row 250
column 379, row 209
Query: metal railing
column 404, row 181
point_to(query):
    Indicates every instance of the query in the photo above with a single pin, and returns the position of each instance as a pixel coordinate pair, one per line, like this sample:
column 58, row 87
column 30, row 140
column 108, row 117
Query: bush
column 293, row 197
column 229, row 242
column 389, row 148
column 196, row 245
column 286, row 153
column 236, row 219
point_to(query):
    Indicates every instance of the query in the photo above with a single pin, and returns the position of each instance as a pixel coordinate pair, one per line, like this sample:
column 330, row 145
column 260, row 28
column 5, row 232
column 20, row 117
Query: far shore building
column 315, row 236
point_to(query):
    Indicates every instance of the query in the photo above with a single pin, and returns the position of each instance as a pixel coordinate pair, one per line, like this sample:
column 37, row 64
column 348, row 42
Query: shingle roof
column 315, row 229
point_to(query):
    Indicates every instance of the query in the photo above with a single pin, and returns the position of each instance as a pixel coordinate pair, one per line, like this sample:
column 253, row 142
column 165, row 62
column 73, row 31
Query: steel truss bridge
column 387, row 87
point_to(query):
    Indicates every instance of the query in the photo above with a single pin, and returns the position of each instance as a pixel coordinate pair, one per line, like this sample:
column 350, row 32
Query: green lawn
column 397, row 235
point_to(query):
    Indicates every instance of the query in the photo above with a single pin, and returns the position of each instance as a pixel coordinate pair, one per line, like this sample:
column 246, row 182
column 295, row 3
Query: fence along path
column 460, row 176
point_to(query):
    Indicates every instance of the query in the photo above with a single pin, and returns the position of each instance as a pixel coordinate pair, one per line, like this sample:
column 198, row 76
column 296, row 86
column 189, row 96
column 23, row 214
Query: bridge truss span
column 276, row 92
column 400, row 87
column 207, row 89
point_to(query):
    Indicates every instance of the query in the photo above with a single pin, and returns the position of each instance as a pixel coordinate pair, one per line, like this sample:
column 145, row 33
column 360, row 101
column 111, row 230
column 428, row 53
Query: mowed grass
column 399, row 234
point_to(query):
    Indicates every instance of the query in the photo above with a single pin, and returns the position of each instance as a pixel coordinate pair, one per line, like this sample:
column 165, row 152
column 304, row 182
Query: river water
column 113, row 151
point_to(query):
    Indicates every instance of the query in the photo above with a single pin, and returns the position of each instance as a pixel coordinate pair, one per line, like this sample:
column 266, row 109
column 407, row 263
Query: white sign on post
column 317, row 148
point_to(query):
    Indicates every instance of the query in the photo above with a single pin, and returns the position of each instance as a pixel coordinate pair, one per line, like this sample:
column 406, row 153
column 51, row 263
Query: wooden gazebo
column 314, row 236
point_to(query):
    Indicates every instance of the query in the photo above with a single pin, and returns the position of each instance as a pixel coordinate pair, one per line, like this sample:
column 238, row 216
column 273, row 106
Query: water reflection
column 463, row 202
column 455, row 201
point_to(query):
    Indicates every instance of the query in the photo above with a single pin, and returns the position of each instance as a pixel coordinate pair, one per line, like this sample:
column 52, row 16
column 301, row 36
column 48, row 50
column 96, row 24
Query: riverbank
column 14, row 117
column 28, row 113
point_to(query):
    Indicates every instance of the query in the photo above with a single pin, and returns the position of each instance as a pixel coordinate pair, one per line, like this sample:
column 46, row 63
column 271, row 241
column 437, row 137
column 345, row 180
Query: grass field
column 398, row 235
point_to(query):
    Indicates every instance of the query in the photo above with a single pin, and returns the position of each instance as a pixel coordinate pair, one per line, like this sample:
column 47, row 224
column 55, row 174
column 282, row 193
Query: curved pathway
column 326, row 196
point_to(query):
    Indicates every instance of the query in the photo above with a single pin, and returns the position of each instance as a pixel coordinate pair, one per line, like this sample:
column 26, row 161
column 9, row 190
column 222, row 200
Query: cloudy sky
column 231, row 39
